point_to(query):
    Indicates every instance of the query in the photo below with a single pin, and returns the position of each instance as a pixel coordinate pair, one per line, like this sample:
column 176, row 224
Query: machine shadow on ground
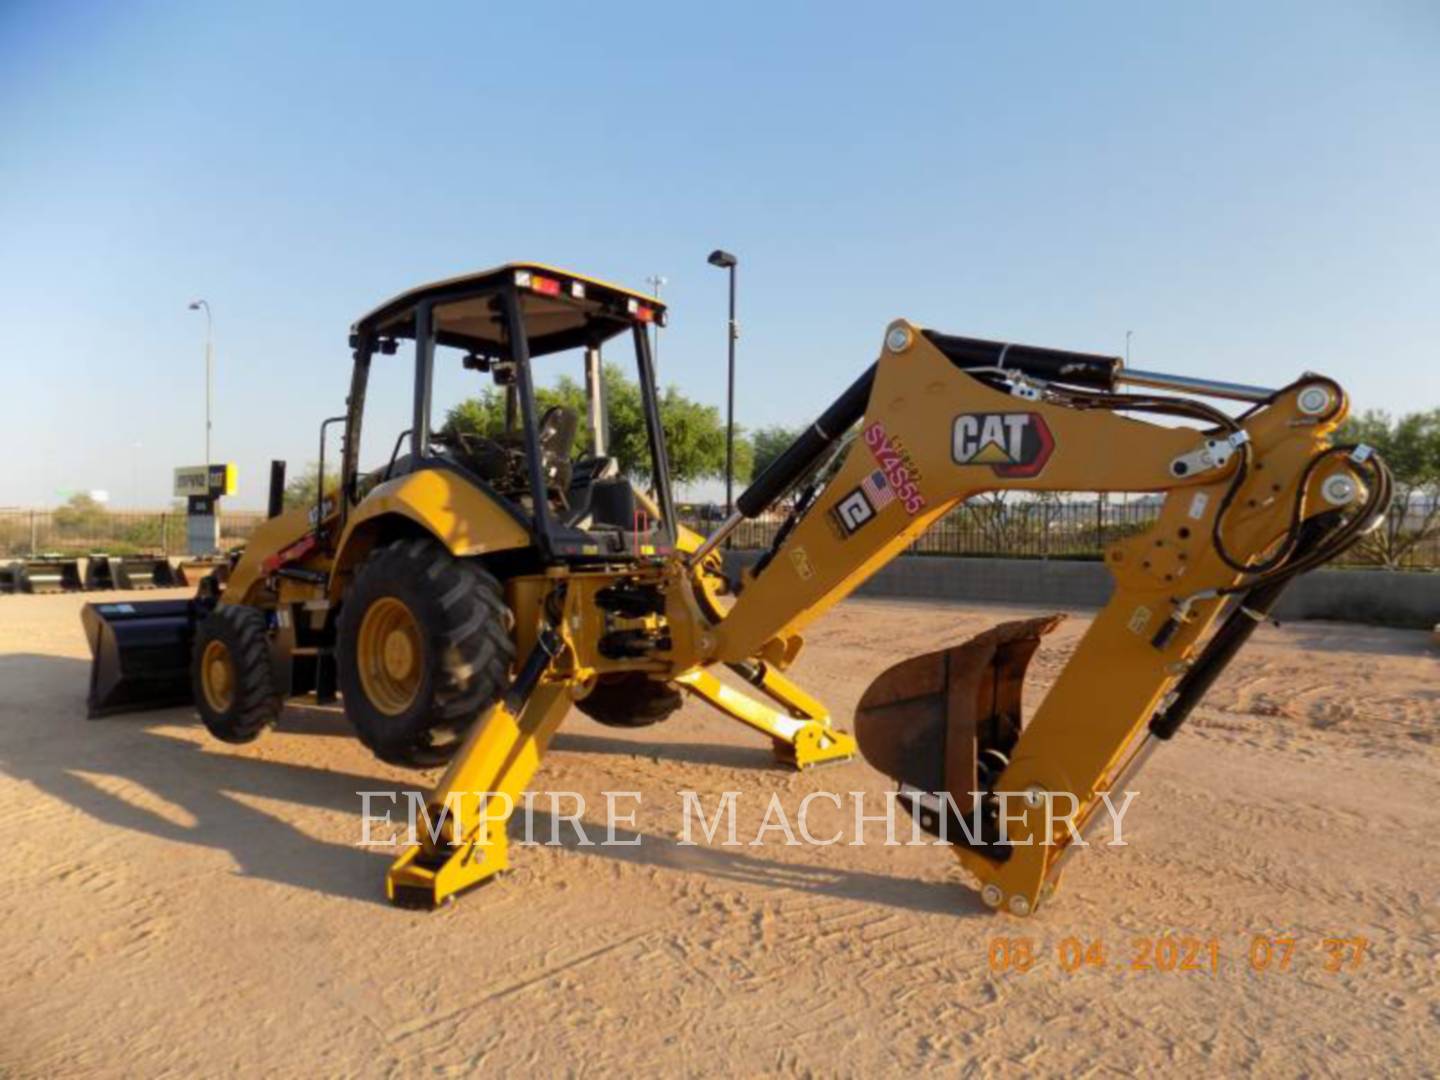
column 758, row 757
column 117, row 768
column 732, row 865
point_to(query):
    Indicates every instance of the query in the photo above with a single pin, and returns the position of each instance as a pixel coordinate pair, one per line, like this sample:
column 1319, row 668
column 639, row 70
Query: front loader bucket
column 141, row 654
column 144, row 572
column 52, row 575
column 947, row 721
column 194, row 571
column 99, row 574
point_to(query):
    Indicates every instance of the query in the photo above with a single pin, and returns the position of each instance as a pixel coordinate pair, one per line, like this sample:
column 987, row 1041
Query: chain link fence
column 1055, row 529
column 987, row 526
column 26, row 533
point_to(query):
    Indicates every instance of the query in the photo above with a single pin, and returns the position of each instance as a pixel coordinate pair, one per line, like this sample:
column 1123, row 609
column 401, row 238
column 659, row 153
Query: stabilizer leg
column 801, row 736
column 464, row 841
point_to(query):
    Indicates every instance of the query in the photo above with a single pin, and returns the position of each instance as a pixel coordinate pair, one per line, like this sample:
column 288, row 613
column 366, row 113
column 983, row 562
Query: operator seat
column 556, row 436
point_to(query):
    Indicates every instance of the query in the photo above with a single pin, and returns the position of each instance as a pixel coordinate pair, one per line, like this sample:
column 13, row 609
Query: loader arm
column 1247, row 504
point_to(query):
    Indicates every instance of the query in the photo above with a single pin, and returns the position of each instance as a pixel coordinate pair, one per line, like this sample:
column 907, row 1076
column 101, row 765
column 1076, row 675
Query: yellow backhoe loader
column 464, row 595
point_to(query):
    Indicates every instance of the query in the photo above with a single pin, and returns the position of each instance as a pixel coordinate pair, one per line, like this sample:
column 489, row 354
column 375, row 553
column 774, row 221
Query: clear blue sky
column 1252, row 188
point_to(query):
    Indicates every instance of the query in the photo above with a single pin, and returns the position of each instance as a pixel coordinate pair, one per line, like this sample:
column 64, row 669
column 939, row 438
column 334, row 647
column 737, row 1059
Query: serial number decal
column 898, row 466
column 1260, row 953
column 1013, row 444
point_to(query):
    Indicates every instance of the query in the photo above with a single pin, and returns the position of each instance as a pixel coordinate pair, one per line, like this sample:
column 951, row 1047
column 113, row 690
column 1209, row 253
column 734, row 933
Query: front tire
column 231, row 674
column 424, row 649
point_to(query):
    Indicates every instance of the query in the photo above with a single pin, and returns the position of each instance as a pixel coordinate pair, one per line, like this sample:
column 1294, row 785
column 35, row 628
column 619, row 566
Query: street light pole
column 725, row 261
column 198, row 305
column 1128, row 334
column 655, row 281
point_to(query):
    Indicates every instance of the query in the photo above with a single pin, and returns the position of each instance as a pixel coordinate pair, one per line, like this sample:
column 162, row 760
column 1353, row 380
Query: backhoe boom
column 1248, row 503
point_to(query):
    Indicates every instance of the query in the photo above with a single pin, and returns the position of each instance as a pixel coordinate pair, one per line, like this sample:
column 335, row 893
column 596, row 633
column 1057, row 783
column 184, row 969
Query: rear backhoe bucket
column 141, row 654
column 947, row 721
column 52, row 576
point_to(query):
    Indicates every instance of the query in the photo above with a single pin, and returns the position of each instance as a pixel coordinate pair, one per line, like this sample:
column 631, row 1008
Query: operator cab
column 547, row 466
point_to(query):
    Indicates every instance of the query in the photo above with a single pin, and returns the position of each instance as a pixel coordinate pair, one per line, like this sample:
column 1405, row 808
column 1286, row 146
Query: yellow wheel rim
column 217, row 676
column 389, row 656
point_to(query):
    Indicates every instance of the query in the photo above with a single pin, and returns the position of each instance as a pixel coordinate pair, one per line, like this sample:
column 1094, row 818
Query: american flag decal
column 878, row 490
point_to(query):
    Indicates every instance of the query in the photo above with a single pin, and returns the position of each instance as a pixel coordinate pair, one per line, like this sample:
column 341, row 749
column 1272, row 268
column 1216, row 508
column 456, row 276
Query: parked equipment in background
column 144, row 572
column 11, row 574
column 99, row 573
column 193, row 571
column 474, row 585
column 51, row 574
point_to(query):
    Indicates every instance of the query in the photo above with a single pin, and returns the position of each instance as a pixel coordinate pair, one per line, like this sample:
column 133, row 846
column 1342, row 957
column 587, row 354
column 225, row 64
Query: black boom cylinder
column 1054, row 365
column 801, row 456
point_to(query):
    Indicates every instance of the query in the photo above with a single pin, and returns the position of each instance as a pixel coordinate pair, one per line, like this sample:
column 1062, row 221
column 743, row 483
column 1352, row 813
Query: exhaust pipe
column 276, row 502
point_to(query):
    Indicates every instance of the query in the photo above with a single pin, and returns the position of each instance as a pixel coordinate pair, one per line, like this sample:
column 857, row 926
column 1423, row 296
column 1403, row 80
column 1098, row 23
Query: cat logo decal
column 1013, row 444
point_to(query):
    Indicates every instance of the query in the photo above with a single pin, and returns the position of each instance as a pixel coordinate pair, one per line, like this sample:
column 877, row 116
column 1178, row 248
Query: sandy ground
column 173, row 906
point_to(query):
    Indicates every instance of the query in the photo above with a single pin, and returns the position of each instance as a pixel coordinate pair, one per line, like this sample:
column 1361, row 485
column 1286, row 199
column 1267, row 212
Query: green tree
column 303, row 489
column 81, row 518
column 1411, row 447
column 769, row 443
column 694, row 433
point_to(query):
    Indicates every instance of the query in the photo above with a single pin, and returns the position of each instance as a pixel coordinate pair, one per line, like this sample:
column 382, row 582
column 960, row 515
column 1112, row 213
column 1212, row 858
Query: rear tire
column 231, row 675
column 630, row 699
column 424, row 648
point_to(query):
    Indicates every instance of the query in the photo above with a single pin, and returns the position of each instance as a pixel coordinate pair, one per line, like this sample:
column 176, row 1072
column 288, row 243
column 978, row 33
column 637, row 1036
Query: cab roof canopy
column 561, row 310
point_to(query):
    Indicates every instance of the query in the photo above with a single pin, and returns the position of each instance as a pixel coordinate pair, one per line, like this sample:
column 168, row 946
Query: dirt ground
column 174, row 906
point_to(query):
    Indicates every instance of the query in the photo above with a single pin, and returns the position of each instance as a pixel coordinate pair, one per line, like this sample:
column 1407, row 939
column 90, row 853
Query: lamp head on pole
column 722, row 259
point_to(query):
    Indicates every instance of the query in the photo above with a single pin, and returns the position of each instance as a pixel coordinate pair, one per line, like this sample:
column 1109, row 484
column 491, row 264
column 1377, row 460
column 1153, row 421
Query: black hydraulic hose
column 1290, row 559
column 1251, row 608
column 801, row 456
column 1052, row 365
column 1248, row 613
column 1319, row 539
column 547, row 645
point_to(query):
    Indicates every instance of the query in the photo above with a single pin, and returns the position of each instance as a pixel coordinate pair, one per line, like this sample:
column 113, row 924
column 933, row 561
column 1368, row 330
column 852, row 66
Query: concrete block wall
column 1381, row 597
